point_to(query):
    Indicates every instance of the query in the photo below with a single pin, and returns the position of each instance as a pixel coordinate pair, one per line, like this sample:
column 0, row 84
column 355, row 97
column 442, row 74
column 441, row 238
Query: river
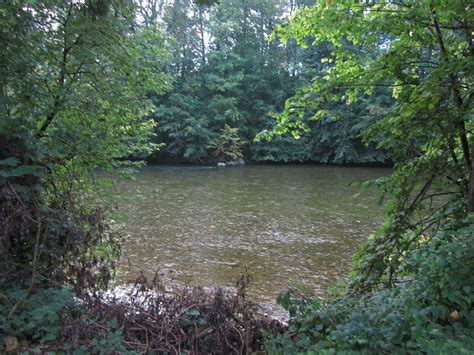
column 295, row 225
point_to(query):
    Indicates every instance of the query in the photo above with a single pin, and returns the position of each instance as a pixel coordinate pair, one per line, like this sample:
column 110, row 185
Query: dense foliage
column 73, row 79
column 229, row 73
column 428, row 311
column 83, row 86
column 73, row 82
column 410, row 288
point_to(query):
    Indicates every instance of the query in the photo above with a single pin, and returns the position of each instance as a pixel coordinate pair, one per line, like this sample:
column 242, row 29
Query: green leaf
column 21, row 171
column 12, row 161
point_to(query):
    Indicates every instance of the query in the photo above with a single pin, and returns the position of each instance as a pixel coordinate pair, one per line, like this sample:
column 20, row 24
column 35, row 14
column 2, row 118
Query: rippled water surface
column 286, row 224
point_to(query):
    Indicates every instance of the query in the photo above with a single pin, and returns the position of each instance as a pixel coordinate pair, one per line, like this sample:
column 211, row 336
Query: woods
column 91, row 87
column 228, row 72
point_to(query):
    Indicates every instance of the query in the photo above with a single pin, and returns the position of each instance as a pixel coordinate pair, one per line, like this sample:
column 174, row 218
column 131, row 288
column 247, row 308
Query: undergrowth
column 429, row 310
column 143, row 320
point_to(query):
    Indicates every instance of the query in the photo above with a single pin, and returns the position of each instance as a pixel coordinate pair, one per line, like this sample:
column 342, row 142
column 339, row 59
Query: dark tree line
column 228, row 72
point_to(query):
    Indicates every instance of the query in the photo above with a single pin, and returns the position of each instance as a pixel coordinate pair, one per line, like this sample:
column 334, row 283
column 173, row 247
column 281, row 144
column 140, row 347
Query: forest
column 93, row 90
column 227, row 72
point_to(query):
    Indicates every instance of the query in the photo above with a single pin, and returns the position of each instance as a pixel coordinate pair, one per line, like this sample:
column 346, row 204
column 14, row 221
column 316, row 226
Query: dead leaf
column 11, row 343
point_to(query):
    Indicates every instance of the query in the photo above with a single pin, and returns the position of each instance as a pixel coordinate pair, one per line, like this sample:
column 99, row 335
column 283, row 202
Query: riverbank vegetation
column 100, row 84
column 227, row 72
column 410, row 288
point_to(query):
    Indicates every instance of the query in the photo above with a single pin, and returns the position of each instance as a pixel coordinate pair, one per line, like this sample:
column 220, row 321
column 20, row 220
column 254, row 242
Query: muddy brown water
column 288, row 225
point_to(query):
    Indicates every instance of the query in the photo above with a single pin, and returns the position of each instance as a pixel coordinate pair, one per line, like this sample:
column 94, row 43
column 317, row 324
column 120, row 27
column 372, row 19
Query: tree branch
column 454, row 90
column 61, row 79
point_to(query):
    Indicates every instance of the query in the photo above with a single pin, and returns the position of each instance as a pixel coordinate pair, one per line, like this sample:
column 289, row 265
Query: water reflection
column 286, row 224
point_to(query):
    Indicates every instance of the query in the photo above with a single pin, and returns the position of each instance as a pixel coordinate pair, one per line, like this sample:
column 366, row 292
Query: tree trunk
column 470, row 203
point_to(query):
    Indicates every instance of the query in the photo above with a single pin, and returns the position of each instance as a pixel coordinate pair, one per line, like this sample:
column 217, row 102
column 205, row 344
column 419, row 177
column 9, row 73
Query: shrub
column 429, row 311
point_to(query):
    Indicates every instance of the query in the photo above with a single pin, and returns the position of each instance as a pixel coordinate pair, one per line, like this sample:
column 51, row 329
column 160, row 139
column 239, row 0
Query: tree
column 228, row 72
column 424, row 54
column 74, row 79
column 233, row 74
column 228, row 145
column 410, row 286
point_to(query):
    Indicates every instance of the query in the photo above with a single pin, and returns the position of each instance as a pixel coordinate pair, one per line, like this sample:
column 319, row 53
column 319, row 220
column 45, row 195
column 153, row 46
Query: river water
column 288, row 225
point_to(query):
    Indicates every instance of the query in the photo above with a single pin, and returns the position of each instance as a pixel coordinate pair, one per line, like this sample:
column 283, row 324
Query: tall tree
column 74, row 79
column 228, row 72
column 236, row 77
column 424, row 54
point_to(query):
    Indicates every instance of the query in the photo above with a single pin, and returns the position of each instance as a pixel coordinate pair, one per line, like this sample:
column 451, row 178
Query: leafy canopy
column 422, row 52
column 74, row 81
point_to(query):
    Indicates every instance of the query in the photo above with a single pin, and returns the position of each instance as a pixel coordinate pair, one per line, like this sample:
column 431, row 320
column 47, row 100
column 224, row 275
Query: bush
column 429, row 311
column 34, row 317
